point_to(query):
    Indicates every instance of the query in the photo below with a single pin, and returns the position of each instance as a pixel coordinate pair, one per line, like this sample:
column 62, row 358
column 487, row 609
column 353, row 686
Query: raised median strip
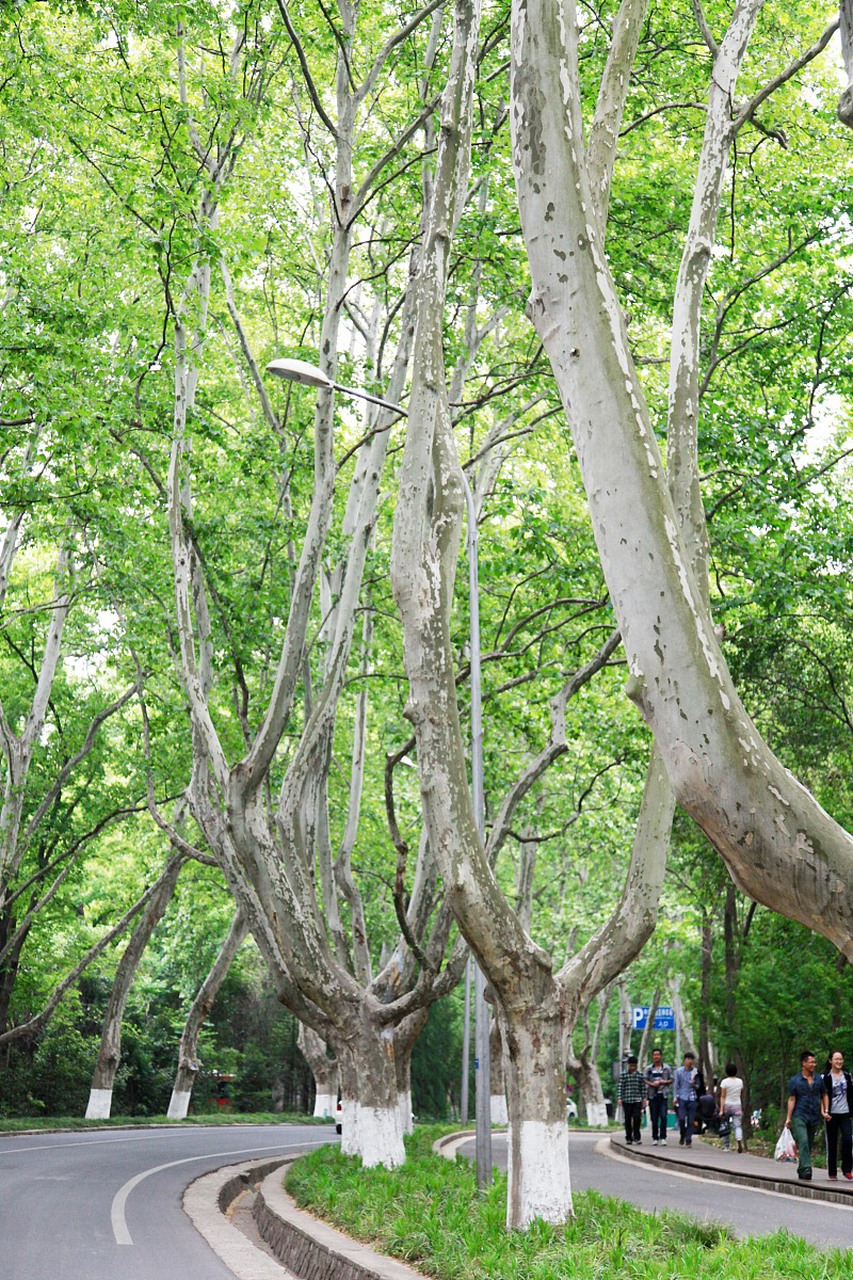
column 304, row 1247
column 314, row 1250
column 207, row 1202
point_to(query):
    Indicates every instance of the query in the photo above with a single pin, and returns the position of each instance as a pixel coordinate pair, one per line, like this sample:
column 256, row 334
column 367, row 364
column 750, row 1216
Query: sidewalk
column 707, row 1161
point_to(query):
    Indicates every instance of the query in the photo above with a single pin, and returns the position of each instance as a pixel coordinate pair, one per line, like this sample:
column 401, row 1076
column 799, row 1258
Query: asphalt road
column 106, row 1204
column 749, row 1212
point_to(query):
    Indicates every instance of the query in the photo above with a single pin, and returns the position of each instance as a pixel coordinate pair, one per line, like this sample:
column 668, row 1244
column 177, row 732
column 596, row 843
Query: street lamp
column 310, row 375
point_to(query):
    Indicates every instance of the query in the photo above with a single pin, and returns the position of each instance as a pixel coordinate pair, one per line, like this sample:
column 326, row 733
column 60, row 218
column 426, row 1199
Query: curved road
column 106, row 1204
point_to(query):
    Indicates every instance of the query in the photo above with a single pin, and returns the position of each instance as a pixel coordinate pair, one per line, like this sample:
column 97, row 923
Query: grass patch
column 430, row 1214
column 52, row 1124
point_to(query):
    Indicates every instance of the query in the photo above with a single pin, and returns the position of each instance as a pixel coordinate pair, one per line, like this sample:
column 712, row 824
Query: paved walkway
column 706, row 1160
column 703, row 1160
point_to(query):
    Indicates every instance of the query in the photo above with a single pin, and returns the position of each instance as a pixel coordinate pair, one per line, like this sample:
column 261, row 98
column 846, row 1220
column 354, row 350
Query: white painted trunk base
column 407, row 1119
column 374, row 1133
column 325, row 1104
column 498, row 1109
column 349, row 1128
column 545, row 1190
column 596, row 1114
column 179, row 1104
column 100, row 1104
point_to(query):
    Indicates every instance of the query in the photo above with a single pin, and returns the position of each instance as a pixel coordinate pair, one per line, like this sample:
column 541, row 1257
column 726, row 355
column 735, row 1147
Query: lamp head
column 300, row 371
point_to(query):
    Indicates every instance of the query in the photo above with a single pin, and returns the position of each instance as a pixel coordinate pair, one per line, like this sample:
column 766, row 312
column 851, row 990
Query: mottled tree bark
column 779, row 845
column 109, row 1052
column 188, row 1063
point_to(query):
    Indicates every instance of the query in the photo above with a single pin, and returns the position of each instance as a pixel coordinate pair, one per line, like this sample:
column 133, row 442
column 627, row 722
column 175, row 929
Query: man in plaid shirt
column 632, row 1095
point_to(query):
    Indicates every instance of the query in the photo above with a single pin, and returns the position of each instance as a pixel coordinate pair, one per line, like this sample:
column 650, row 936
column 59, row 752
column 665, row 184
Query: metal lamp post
column 482, row 1049
column 310, row 375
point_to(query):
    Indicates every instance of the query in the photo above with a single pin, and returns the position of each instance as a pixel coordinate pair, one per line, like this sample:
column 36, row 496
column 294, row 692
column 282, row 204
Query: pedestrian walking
column 632, row 1095
column 805, row 1111
column 731, row 1106
column 837, row 1101
column 658, row 1076
column 686, row 1098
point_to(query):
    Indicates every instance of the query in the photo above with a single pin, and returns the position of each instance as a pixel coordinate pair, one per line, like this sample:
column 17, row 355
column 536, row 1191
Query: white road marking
column 117, row 1218
column 138, row 1136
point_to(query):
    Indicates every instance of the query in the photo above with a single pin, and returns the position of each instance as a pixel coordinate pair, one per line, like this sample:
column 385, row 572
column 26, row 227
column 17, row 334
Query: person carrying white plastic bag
column 786, row 1147
column 805, row 1107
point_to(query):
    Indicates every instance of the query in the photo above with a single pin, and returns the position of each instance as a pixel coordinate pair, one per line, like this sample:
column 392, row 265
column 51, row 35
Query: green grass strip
column 430, row 1214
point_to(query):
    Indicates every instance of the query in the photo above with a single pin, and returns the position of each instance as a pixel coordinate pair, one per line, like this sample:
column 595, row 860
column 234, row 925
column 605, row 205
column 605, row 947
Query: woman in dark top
column 836, row 1105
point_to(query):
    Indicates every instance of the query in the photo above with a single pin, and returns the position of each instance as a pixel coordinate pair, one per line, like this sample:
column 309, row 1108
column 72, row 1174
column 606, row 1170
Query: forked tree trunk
column 188, row 1063
column 109, row 1053
column 279, row 866
column 532, row 1004
column 780, row 846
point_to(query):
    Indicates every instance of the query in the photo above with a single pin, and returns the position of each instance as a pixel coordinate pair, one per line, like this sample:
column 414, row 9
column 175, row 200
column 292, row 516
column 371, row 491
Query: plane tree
column 648, row 521
column 66, row 704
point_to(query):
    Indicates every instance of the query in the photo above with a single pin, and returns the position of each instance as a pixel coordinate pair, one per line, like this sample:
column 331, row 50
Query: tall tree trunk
column 780, row 846
column 188, row 1063
column 684, row 1027
column 370, row 1110
column 590, row 1100
column 593, row 1105
column 109, row 1053
column 497, row 1104
column 324, row 1070
column 703, row 1047
column 533, row 1036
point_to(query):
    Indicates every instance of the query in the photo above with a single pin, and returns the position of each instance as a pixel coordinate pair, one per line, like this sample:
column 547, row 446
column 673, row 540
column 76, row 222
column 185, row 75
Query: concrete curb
column 703, row 1165
column 305, row 1248
column 313, row 1249
column 206, row 1202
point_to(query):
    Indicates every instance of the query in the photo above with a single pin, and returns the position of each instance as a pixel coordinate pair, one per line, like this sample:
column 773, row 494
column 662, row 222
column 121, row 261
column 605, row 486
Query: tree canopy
column 605, row 270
